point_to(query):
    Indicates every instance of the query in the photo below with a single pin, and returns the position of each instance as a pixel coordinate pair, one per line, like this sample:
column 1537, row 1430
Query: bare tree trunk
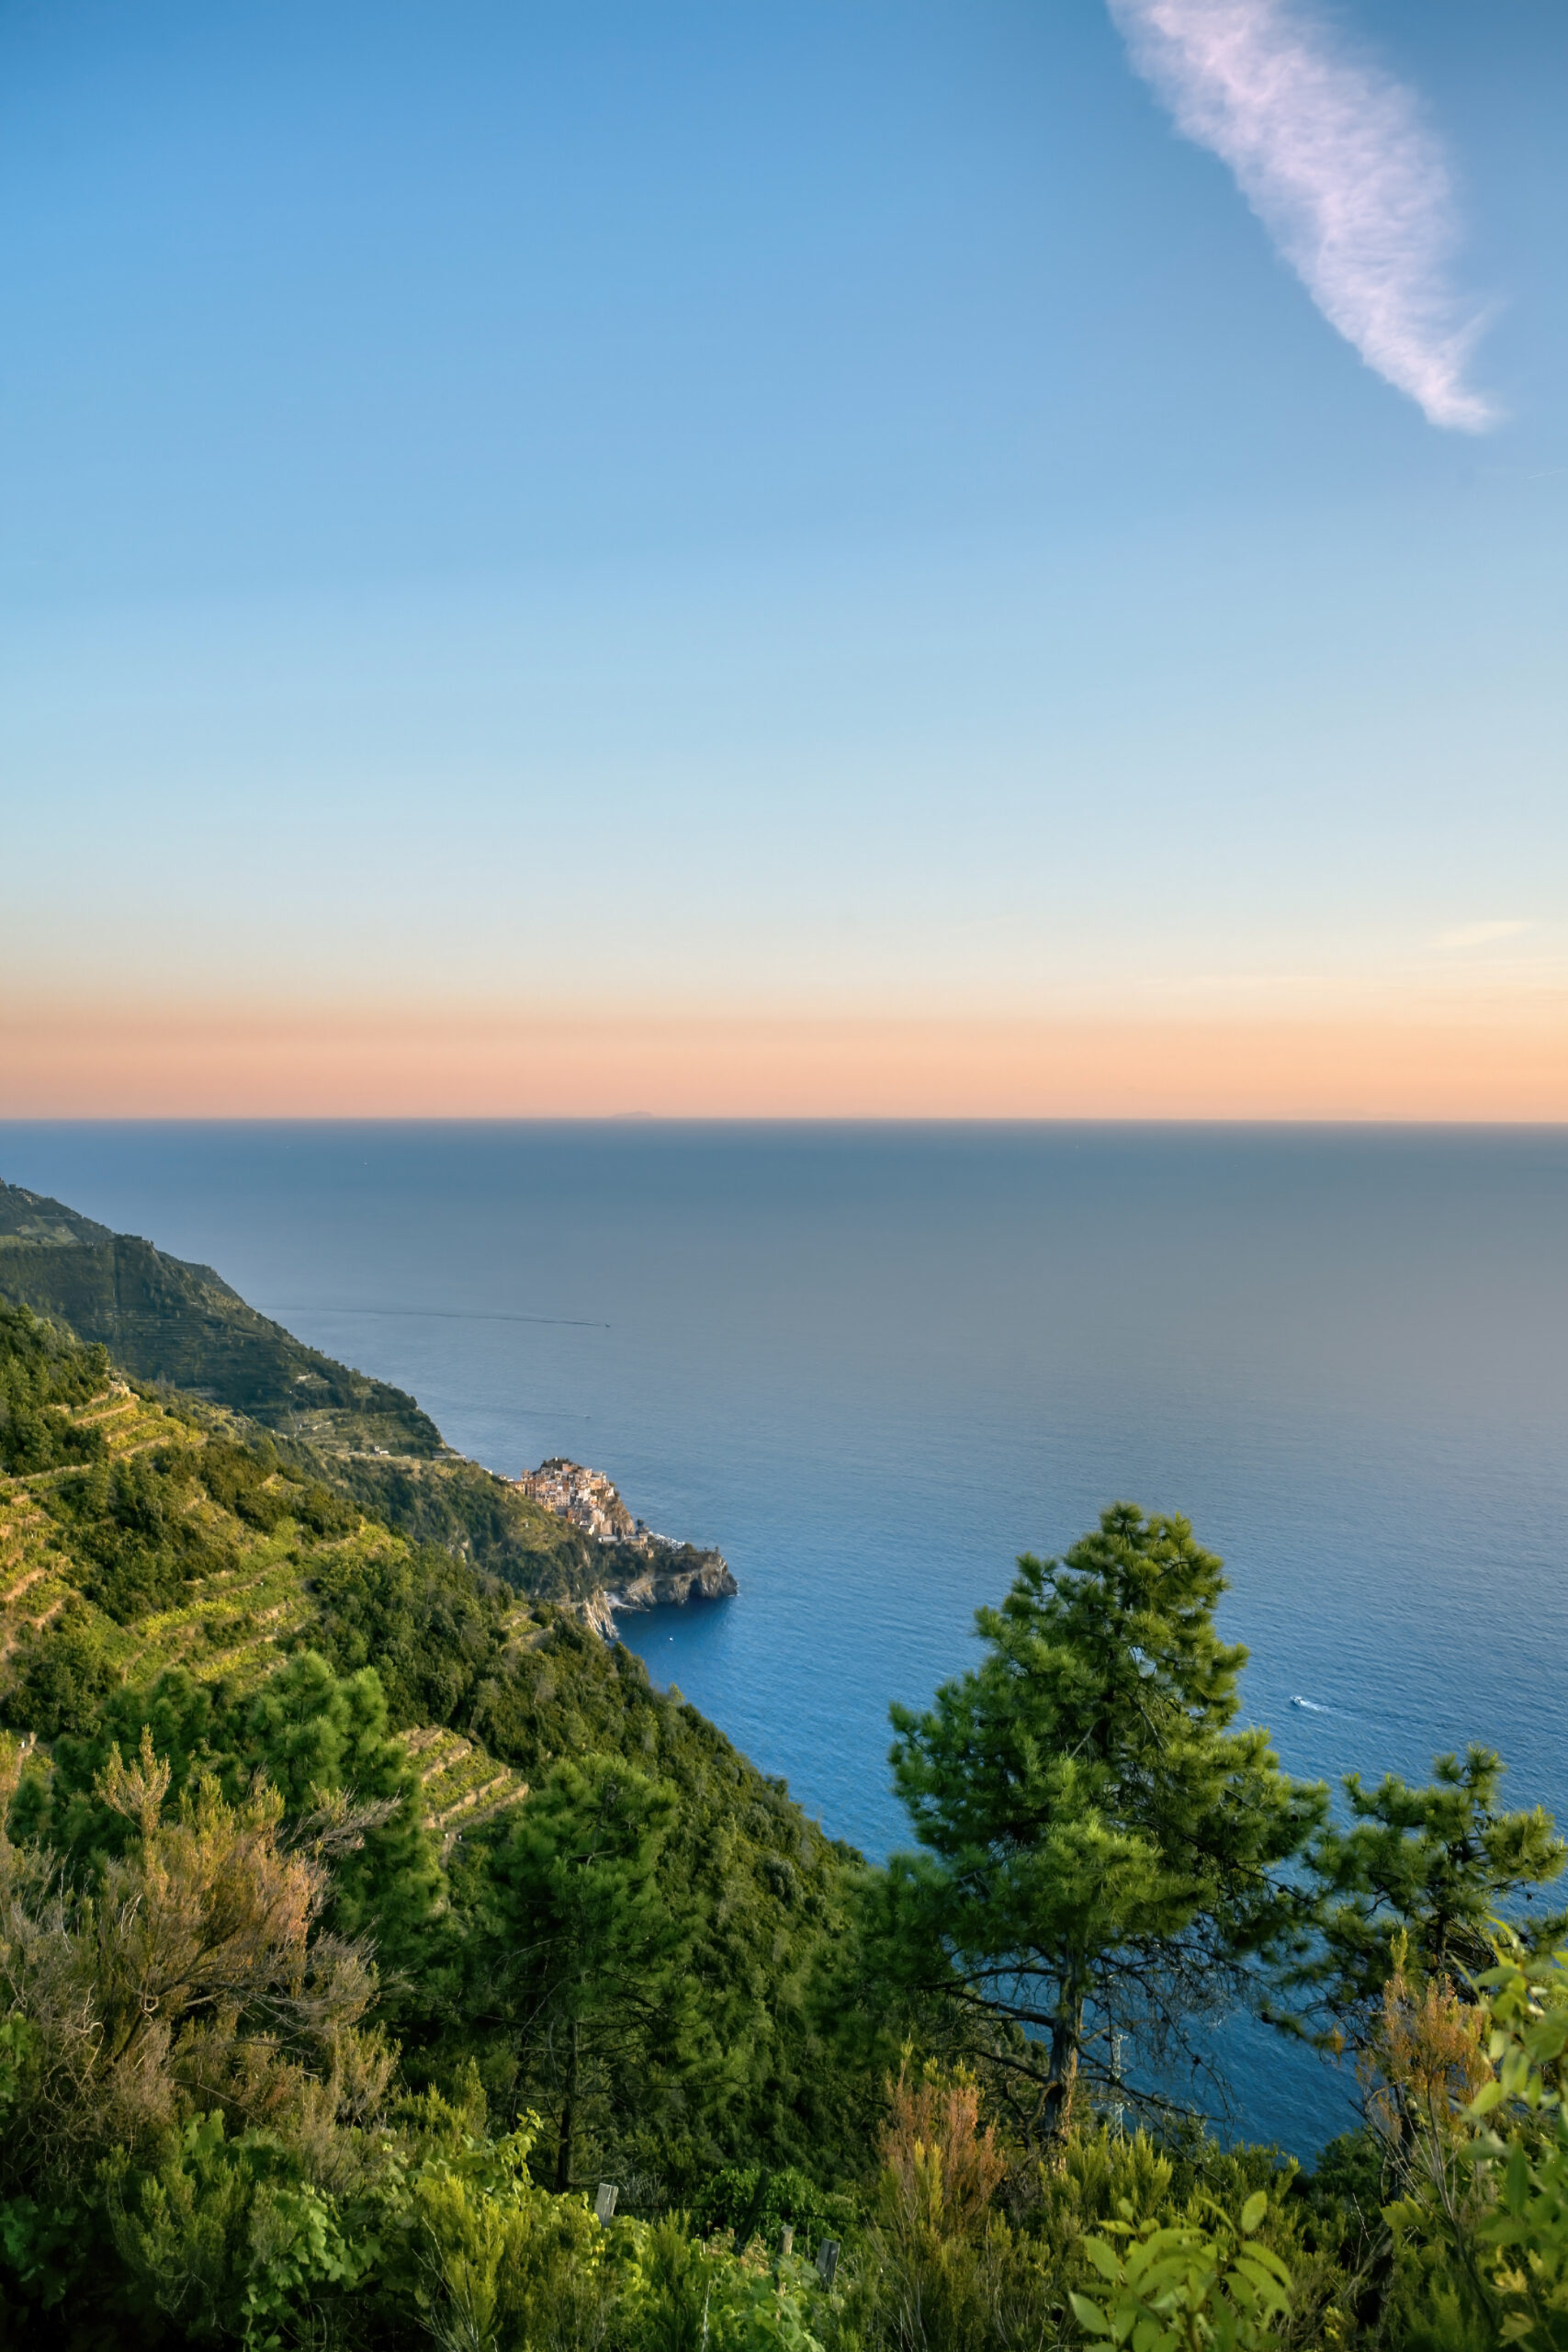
column 1067, row 2034
column 568, row 2116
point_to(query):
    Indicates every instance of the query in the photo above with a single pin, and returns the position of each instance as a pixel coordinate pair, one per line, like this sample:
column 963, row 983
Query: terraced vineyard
column 463, row 1786
column 38, row 1577
column 476, row 1864
column 233, row 1624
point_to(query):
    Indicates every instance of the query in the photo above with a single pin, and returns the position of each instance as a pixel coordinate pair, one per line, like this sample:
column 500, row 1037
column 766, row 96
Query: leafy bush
column 1181, row 2288
column 60, row 1675
column 680, row 2295
column 486, row 2259
column 750, row 2200
column 1468, row 2088
column 227, row 2237
column 938, row 2268
column 199, row 1974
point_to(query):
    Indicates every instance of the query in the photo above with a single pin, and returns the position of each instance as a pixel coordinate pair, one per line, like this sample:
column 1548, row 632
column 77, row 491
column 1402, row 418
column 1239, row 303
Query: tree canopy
column 1104, row 1854
column 1433, row 1866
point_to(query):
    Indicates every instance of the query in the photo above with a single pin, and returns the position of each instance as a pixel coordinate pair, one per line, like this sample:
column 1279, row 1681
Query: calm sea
column 873, row 1364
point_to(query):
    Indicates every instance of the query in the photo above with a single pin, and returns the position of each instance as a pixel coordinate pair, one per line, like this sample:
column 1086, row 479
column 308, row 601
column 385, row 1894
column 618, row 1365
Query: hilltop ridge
column 172, row 1321
column 180, row 1327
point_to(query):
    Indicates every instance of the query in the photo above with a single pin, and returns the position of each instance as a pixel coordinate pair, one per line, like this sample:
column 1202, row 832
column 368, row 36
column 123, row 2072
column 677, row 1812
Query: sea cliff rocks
column 688, row 1574
column 642, row 1569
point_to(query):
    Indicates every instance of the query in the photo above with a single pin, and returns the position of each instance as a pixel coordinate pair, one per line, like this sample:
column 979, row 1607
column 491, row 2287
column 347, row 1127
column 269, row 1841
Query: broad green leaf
column 1516, row 2180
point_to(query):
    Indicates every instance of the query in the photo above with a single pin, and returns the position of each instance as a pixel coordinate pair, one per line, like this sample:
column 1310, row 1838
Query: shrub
column 60, row 1675
column 938, row 2268
column 1184, row 2288
column 1469, row 2094
column 227, row 2237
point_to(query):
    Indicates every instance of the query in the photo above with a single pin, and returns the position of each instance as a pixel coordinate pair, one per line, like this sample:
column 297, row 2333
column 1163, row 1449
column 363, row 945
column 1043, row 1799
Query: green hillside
column 155, row 1565
column 167, row 1320
column 361, row 1923
column 174, row 1324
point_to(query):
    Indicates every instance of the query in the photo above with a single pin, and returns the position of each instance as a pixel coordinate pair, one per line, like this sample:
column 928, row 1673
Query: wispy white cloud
column 1479, row 934
column 1332, row 155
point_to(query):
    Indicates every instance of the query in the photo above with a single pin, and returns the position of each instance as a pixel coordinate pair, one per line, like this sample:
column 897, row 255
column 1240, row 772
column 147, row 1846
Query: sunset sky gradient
column 792, row 560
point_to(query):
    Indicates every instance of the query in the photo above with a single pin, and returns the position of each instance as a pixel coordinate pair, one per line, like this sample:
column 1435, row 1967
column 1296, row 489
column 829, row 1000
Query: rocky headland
column 642, row 1569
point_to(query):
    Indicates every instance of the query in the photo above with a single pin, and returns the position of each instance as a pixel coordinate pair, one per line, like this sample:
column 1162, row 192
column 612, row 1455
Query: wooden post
column 786, row 2241
column 605, row 2203
column 828, row 2260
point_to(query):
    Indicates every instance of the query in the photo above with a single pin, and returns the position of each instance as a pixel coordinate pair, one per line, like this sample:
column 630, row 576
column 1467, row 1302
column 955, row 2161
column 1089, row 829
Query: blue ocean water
column 873, row 1364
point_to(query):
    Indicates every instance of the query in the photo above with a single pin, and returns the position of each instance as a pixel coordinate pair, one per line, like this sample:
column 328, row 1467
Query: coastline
column 652, row 1570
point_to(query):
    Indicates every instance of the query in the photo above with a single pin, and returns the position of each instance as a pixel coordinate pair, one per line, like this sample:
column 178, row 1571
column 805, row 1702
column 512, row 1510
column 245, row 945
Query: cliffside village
column 675, row 1573
column 585, row 1497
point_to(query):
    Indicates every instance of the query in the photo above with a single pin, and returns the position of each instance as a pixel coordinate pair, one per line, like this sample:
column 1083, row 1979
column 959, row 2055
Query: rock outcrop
column 685, row 1575
column 642, row 1570
column 595, row 1612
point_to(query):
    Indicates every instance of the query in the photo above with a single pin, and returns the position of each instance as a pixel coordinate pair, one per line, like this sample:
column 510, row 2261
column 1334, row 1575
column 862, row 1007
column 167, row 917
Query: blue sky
column 838, row 512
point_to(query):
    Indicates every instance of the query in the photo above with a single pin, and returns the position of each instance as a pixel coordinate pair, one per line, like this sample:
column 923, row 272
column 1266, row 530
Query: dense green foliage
column 1436, row 1865
column 42, row 1375
column 357, row 1921
column 467, row 1511
column 373, row 1639
column 1104, row 1853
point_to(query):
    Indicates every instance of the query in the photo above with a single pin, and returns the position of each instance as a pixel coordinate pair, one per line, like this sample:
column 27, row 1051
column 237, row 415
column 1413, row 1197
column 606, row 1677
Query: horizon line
column 1497, row 1063
column 1522, row 1122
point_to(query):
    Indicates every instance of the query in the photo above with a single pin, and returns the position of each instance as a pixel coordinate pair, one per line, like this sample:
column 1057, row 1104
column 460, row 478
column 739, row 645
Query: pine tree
column 1433, row 1864
column 586, row 1958
column 1103, row 1853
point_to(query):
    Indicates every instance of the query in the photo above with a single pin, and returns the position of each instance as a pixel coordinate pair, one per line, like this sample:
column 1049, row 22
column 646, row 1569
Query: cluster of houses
column 585, row 1497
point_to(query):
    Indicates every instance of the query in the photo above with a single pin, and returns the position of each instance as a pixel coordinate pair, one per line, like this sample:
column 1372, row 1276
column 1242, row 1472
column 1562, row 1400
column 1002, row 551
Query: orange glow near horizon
column 1511, row 1066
